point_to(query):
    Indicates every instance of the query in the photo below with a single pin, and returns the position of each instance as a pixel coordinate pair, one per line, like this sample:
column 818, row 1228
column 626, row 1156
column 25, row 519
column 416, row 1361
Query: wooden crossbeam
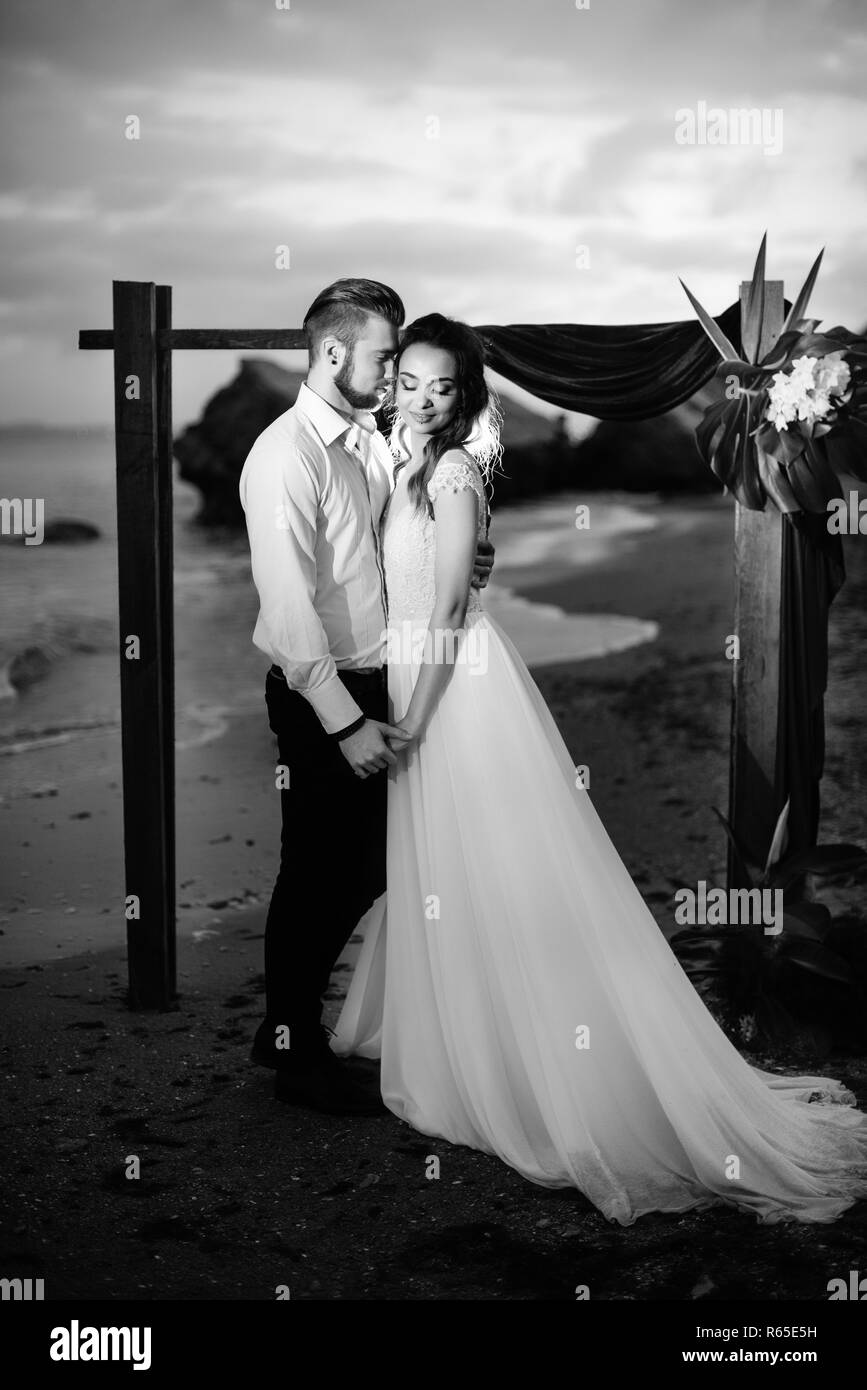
column 226, row 339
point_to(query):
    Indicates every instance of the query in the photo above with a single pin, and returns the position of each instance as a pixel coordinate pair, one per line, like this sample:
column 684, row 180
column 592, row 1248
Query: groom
column 313, row 489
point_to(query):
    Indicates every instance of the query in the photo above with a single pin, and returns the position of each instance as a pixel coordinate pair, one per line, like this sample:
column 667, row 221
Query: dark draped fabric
column 813, row 573
column 638, row 371
column 622, row 372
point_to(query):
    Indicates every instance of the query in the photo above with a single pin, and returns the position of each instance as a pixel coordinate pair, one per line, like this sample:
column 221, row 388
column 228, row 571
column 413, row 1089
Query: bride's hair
column 475, row 425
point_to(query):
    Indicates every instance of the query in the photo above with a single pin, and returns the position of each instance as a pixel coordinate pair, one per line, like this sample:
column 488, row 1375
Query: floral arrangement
column 792, row 420
column 806, row 390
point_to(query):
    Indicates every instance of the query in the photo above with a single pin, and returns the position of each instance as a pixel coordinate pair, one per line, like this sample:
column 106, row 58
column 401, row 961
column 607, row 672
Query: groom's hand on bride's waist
column 483, row 563
column 367, row 751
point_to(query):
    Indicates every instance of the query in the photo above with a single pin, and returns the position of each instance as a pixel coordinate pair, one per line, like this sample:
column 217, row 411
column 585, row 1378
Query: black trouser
column 332, row 857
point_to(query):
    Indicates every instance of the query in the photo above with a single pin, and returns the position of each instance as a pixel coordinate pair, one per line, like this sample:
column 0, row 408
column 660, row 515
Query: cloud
column 462, row 151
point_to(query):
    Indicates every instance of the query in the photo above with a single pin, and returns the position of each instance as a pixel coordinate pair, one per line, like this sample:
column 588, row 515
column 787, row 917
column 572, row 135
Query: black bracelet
column 350, row 729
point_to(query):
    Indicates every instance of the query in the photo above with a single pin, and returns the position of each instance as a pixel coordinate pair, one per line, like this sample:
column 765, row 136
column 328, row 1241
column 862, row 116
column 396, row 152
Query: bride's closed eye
column 410, row 383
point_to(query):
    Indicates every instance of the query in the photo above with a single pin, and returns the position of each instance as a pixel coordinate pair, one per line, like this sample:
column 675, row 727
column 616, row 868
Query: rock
column 65, row 530
column 47, row 790
column 211, row 453
column 27, row 667
column 70, row 531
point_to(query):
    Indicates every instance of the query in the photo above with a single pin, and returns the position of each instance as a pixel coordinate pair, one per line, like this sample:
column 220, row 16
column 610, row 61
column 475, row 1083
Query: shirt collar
column 329, row 424
column 360, row 436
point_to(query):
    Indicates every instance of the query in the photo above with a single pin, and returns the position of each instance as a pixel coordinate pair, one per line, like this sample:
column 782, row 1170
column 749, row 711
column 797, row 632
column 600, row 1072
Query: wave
column 27, row 741
column 196, row 724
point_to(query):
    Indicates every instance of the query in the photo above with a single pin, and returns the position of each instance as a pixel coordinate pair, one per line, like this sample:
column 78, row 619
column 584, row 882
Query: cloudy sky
column 459, row 149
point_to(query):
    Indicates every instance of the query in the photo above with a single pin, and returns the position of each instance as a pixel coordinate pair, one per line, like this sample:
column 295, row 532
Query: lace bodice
column 408, row 539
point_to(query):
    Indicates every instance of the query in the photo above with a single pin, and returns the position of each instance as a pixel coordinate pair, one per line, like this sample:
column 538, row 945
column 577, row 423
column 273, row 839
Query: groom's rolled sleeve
column 281, row 503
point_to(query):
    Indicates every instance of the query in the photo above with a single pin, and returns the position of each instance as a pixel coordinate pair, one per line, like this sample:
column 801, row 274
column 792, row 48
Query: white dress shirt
column 313, row 488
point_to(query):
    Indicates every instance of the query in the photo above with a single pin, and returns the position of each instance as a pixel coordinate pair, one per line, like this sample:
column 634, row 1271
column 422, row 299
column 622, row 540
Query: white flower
column 802, row 371
column 820, row 404
column 805, row 391
column 833, row 375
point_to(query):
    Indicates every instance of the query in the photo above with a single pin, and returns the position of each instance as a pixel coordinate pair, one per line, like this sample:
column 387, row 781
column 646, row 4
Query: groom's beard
column 359, row 400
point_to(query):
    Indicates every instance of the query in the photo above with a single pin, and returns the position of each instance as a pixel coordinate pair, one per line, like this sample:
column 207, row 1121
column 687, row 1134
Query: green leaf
column 847, row 449
column 778, row 357
column 782, row 445
column 754, row 312
column 732, row 452
column 794, row 926
column 818, row 960
column 780, row 836
column 799, row 308
column 812, row 480
column 726, row 349
column 816, row 916
column 708, row 427
column 818, row 859
column 775, row 482
column 707, row 958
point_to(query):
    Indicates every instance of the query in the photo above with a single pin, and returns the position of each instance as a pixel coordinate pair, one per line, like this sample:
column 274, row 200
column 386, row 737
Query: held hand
column 367, row 751
column 404, row 737
column 483, row 563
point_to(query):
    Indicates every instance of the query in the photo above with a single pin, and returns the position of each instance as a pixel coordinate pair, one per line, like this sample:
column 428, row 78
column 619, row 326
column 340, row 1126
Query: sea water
column 59, row 638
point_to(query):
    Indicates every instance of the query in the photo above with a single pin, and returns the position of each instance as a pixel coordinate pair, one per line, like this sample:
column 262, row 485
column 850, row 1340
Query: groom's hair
column 341, row 311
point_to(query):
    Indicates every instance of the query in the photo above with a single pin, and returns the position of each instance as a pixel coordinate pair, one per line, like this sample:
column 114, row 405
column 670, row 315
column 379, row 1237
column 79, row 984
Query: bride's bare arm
column 456, row 516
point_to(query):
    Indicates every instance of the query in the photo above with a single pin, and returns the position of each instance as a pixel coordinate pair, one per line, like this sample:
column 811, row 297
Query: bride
column 514, row 983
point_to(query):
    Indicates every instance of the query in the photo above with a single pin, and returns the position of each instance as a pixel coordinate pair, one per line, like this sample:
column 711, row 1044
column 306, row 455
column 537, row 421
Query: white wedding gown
column 511, row 925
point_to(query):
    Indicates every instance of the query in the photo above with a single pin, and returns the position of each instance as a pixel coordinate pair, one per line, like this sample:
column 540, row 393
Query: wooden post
column 145, row 593
column 752, row 811
column 165, row 568
column 142, row 339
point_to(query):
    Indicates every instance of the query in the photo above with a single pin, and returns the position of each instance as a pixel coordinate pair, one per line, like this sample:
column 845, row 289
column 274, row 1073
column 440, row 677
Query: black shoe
column 265, row 1054
column 327, row 1087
